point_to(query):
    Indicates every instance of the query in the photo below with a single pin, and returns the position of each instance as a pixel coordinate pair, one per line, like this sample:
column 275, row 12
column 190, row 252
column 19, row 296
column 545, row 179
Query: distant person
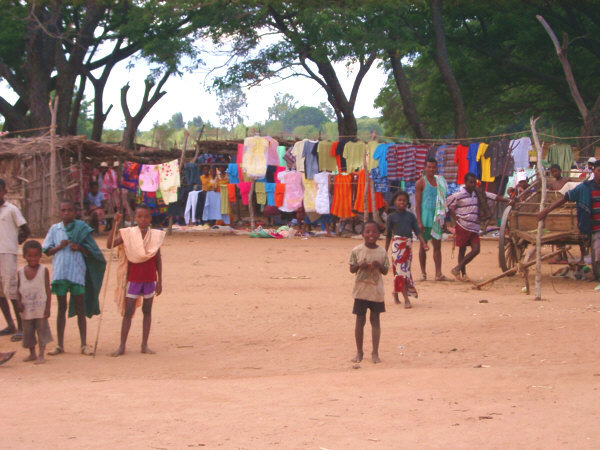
column 464, row 207
column 208, row 178
column 34, row 302
column 430, row 197
column 13, row 231
column 369, row 262
column 141, row 270
column 401, row 224
column 77, row 268
column 559, row 181
column 95, row 203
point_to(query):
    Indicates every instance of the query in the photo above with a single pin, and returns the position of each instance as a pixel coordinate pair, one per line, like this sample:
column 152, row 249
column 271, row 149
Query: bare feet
column 57, row 351
column 375, row 358
column 442, row 278
column 146, row 349
column 87, row 350
column 30, row 358
column 40, row 360
column 407, row 304
column 456, row 272
column 118, row 352
column 358, row 358
column 396, row 299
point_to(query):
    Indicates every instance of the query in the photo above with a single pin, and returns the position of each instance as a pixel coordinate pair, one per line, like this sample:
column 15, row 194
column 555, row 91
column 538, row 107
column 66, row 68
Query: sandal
column 6, row 356
column 423, row 277
column 57, row 351
column 17, row 337
column 7, row 331
column 86, row 350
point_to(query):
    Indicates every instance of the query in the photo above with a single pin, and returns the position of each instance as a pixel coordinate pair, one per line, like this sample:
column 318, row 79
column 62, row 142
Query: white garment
column 10, row 221
column 520, row 152
column 322, row 201
column 298, row 151
column 190, row 207
column 33, row 294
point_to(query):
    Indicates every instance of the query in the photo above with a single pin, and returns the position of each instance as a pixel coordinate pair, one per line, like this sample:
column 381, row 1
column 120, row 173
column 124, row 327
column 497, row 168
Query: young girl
column 400, row 226
column 34, row 301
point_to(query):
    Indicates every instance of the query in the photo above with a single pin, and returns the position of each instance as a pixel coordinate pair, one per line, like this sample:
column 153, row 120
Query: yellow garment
column 326, row 161
column 372, row 162
column 310, row 194
column 261, row 193
column 208, row 183
column 169, row 180
column 254, row 161
column 354, row 152
column 486, row 164
column 223, row 181
column 137, row 250
column 297, row 152
column 225, row 208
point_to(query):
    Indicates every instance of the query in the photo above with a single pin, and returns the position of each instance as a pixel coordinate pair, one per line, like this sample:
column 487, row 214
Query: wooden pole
column 250, row 204
column 538, row 240
column 53, row 200
column 366, row 190
column 79, row 159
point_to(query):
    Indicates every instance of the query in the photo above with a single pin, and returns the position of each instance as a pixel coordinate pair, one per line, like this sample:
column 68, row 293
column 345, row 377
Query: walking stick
column 105, row 284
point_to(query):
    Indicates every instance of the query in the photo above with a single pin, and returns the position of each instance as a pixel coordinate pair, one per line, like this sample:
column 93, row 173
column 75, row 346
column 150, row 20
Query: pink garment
column 293, row 190
column 109, row 182
column 272, row 155
column 277, row 172
column 149, row 178
column 244, row 188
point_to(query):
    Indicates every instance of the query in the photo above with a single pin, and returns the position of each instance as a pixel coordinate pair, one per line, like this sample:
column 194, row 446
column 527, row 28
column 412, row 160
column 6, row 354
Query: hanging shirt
column 272, row 154
column 450, row 167
column 322, row 199
column 280, row 152
column 354, row 152
column 379, row 182
column 486, row 164
column 212, row 208
column 326, row 161
column 520, row 152
column 501, row 158
column 310, row 194
column 130, row 176
column 472, row 158
column 297, row 153
column 293, row 196
column 254, row 161
column 460, row 158
column 380, row 155
column 372, row 162
column 169, row 180
column 311, row 158
column 561, row 154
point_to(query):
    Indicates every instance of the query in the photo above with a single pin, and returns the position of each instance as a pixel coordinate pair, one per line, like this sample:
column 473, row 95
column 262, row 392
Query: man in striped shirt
column 464, row 207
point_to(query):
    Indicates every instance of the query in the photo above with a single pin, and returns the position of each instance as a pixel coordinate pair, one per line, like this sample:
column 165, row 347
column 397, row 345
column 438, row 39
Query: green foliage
column 177, row 122
column 303, row 116
column 196, row 122
column 282, row 105
column 232, row 102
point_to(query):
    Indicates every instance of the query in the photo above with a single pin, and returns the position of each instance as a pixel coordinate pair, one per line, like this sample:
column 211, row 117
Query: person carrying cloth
column 139, row 274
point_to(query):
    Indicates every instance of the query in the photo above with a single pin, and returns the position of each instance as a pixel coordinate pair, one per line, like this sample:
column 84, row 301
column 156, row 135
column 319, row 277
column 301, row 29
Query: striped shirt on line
column 466, row 208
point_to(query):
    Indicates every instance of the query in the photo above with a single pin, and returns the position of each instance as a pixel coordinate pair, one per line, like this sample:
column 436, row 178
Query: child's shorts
column 33, row 327
column 361, row 306
column 62, row 287
column 135, row 289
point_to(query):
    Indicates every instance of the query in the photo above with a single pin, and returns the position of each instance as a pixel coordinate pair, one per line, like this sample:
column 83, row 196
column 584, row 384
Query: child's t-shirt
column 369, row 282
column 33, row 294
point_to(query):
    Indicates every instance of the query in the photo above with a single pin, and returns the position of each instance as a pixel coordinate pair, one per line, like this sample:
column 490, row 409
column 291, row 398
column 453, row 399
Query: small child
column 34, row 301
column 139, row 274
column 400, row 226
column 369, row 262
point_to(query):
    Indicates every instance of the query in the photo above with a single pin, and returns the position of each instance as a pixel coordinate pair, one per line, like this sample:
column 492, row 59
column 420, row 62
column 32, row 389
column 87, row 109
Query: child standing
column 34, row 302
column 400, row 226
column 139, row 273
column 369, row 262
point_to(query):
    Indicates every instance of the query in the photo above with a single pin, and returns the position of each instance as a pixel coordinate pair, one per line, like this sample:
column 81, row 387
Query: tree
column 232, row 102
column 312, row 37
column 327, row 110
column 282, row 105
column 196, row 122
column 303, row 116
column 176, row 121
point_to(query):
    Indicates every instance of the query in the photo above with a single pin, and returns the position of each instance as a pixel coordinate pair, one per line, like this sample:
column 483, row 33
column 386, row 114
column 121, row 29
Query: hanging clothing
column 192, row 173
column 130, row 176
column 261, row 193
column 379, row 182
column 294, row 194
column 360, row 195
column 371, row 161
column 231, row 193
column 279, row 194
column 486, row 164
column 322, row 198
column 244, row 191
column 334, row 154
column 339, row 151
column 472, row 158
column 380, row 155
column 298, row 154
column 212, row 208
column 561, row 154
column 311, row 159
column 254, row 161
column 169, row 180
column 232, row 173
column 401, row 263
column 149, row 178
column 326, row 161
column 501, row 158
column 341, row 206
column 520, row 152
column 310, row 194
column 354, row 152
column 450, row 167
column 290, row 159
column 272, row 154
column 270, row 190
column 460, row 158
column 190, row 207
column 280, row 152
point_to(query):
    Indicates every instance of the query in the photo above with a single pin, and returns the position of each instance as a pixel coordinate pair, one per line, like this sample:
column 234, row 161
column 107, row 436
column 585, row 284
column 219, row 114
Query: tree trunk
column 590, row 128
column 76, row 109
column 347, row 126
column 408, row 105
column 440, row 56
column 128, row 139
column 99, row 114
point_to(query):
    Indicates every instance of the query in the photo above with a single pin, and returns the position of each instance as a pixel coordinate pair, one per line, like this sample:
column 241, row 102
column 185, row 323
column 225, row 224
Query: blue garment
column 270, row 189
column 192, row 173
column 95, row 200
column 379, row 182
column 311, row 159
column 582, row 194
column 66, row 264
column 232, row 172
column 472, row 158
column 380, row 154
column 428, row 201
column 212, row 208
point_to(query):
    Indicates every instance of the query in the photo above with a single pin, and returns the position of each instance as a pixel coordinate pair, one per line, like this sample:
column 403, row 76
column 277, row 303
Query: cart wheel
column 509, row 252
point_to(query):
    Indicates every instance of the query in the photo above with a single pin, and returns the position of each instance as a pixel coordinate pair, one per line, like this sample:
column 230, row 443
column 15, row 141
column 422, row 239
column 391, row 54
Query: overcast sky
column 188, row 94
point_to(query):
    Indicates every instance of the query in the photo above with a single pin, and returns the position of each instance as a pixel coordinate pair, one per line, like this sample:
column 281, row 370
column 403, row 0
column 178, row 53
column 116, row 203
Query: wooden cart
column 518, row 228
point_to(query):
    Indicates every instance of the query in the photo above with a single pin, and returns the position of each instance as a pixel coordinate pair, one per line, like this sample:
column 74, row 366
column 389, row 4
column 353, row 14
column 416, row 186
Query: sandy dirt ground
column 249, row 357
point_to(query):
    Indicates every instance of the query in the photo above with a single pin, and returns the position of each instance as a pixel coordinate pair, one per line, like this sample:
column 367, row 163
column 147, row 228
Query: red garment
column 244, row 191
column 464, row 237
column 360, row 195
column 460, row 158
column 338, row 161
column 231, row 193
column 279, row 194
column 277, row 171
column 341, row 206
column 143, row 272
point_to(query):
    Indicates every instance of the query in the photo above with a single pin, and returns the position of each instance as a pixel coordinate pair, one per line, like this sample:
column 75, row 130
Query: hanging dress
column 341, row 206
column 360, row 195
